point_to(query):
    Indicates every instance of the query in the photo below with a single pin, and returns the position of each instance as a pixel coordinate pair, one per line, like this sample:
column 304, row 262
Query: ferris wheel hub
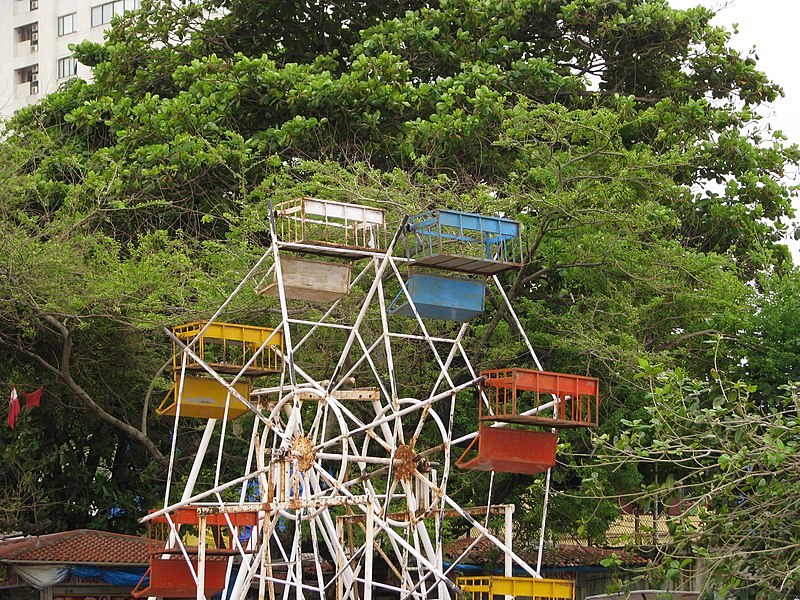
column 405, row 462
column 303, row 450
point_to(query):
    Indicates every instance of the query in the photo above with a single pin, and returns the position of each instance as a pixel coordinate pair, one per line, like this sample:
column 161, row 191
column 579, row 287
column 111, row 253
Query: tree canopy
column 625, row 136
column 729, row 455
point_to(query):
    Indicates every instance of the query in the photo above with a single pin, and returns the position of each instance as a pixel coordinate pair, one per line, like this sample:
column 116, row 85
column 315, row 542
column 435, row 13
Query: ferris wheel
column 344, row 492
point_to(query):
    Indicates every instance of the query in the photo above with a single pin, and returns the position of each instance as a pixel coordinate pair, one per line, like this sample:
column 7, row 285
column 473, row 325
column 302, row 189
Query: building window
column 29, row 76
column 66, row 24
column 67, row 67
column 28, row 33
column 105, row 12
column 34, row 4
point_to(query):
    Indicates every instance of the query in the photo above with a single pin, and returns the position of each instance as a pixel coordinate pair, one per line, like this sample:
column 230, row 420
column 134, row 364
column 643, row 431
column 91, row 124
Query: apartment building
column 35, row 35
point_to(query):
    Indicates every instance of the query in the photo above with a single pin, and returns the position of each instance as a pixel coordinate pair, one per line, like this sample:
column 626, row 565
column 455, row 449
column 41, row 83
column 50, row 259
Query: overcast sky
column 773, row 27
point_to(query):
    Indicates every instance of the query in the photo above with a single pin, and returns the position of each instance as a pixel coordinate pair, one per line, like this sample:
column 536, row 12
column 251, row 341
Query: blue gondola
column 467, row 242
column 443, row 298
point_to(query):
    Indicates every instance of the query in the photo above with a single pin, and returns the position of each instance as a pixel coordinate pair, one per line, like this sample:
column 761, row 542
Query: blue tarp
column 121, row 577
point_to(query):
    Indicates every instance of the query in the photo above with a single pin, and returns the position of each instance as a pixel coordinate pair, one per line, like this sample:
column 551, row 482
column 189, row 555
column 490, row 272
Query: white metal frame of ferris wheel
column 329, row 472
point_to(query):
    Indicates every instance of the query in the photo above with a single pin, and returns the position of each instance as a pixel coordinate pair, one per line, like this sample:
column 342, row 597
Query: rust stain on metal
column 303, row 449
column 404, row 462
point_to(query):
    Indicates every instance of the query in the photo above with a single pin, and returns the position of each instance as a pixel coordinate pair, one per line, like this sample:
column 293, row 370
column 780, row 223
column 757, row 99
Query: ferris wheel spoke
column 398, row 435
column 294, row 570
column 415, row 405
column 315, row 545
column 453, row 352
column 328, row 529
column 389, row 495
column 380, row 409
column 418, row 430
column 410, row 534
column 366, row 429
column 368, row 357
column 320, row 421
column 430, row 495
column 354, row 366
column 374, row 460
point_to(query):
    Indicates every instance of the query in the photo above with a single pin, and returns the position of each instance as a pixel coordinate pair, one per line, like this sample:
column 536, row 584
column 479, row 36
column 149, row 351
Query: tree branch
column 681, row 339
column 63, row 373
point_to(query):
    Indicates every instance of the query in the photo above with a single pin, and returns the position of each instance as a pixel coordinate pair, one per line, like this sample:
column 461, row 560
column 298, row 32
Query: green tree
column 731, row 454
column 769, row 345
column 135, row 201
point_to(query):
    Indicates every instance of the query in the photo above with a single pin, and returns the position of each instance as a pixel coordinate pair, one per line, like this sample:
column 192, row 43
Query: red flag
column 13, row 407
column 33, row 398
